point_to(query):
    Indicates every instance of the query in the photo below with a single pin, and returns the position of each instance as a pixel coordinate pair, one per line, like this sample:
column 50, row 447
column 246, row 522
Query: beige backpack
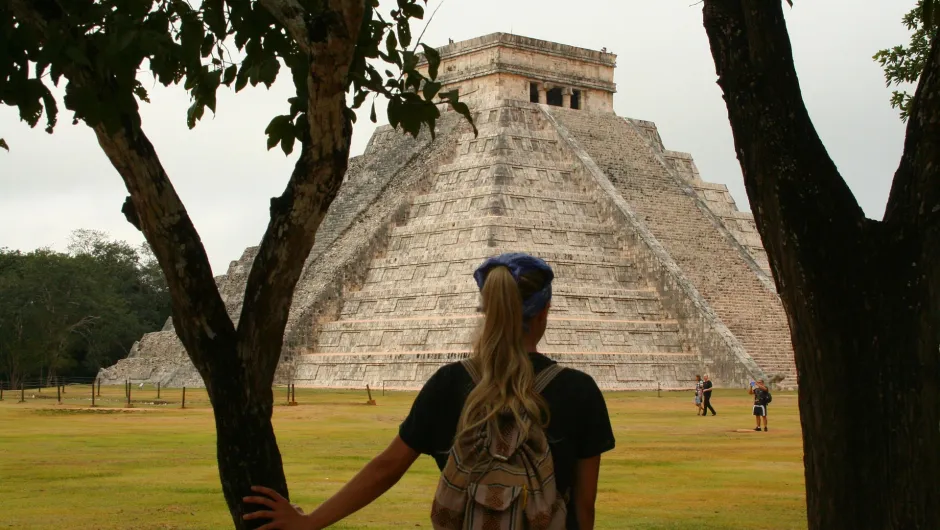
column 502, row 484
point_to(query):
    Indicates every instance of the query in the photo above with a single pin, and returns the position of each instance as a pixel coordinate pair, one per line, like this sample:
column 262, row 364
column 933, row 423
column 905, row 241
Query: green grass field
column 153, row 466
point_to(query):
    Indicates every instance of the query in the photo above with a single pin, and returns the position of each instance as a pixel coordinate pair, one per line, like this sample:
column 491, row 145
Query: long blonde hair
column 506, row 375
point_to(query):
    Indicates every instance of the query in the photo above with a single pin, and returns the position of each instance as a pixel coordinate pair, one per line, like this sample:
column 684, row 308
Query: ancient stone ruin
column 658, row 275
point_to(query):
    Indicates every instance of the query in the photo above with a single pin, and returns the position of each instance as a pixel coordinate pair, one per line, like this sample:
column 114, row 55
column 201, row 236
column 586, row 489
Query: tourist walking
column 762, row 398
column 506, row 396
column 698, row 396
column 707, row 397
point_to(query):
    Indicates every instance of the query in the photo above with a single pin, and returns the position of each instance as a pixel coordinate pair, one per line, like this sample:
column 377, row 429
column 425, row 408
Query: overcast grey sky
column 50, row 185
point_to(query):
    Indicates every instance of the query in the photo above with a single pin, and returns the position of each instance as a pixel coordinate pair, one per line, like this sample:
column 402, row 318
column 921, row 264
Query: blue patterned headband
column 519, row 264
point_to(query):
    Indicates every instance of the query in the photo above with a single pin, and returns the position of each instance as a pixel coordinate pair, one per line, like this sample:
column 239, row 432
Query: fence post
column 22, row 392
column 288, row 393
column 99, row 387
column 158, row 389
column 383, row 388
column 659, row 389
column 1, row 391
column 92, row 393
column 128, row 396
column 58, row 390
column 184, row 398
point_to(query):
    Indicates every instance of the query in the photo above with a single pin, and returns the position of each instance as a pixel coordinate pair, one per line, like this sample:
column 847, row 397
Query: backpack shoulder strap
column 546, row 376
column 472, row 370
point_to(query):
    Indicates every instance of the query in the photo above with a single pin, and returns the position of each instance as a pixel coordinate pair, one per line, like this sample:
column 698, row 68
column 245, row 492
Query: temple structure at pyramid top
column 502, row 66
column 659, row 276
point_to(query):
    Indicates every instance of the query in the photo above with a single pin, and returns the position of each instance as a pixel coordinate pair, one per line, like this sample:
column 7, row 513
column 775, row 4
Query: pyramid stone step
column 497, row 204
column 560, row 287
column 476, row 173
column 626, row 307
column 624, row 276
column 454, row 333
column 409, row 371
column 475, row 254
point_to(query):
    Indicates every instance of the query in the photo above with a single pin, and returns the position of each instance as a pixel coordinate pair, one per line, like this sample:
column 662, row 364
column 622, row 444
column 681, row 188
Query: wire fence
column 89, row 392
column 86, row 392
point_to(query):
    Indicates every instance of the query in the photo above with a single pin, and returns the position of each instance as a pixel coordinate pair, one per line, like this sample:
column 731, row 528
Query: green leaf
column 371, row 115
column 268, row 71
column 409, row 61
column 413, row 11
column 77, row 55
column 394, row 112
column 404, row 32
column 127, row 40
column 213, row 13
column 3, row 145
column 431, row 88
column 229, row 75
column 280, row 129
column 434, row 60
column 287, row 144
column 141, row 93
column 207, row 44
column 359, row 98
column 241, row 80
column 273, row 141
column 391, row 48
column 452, row 97
column 194, row 114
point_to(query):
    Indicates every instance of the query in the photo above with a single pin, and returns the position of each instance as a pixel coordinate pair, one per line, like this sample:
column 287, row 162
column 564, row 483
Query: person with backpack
column 517, row 437
column 762, row 398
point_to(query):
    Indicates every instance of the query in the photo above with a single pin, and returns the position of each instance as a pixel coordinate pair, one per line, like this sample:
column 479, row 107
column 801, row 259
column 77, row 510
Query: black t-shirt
column 760, row 396
column 707, row 386
column 579, row 426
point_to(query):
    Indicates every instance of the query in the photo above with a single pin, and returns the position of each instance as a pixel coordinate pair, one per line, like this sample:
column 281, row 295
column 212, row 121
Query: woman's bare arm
column 586, row 472
column 377, row 477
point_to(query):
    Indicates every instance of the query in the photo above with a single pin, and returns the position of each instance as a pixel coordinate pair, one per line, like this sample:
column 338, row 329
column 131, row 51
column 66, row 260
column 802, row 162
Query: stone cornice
column 508, row 40
column 533, row 73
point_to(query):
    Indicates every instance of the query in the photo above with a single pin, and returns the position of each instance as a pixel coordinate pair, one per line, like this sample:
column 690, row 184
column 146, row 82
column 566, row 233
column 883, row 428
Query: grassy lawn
column 153, row 466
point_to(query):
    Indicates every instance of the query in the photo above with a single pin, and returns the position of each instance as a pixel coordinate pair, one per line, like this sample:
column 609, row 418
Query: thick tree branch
column 793, row 185
column 915, row 192
column 290, row 14
column 296, row 215
column 199, row 315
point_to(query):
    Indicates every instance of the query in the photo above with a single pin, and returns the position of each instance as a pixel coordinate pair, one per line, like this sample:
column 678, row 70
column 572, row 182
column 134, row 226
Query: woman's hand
column 283, row 514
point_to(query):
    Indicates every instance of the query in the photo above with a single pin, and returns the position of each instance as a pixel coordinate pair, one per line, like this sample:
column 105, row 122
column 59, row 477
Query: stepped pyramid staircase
column 521, row 186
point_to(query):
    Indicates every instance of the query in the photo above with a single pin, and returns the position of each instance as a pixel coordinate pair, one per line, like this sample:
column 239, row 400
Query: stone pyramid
column 658, row 276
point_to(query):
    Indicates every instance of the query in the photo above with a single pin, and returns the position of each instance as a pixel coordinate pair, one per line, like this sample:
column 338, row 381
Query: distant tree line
column 68, row 314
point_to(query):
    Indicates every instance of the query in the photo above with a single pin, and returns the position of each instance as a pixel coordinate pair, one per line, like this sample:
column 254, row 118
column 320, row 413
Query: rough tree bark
column 862, row 296
column 238, row 364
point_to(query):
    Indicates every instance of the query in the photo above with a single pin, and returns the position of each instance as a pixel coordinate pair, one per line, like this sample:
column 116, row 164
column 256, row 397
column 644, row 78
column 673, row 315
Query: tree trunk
column 246, row 446
column 861, row 295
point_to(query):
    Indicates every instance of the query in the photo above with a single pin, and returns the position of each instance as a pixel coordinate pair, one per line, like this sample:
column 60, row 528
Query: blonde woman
column 516, row 294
